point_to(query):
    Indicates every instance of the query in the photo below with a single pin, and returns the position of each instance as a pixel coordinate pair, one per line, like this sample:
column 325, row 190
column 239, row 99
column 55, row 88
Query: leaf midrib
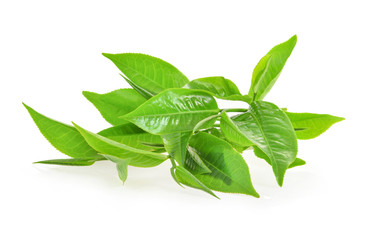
column 177, row 113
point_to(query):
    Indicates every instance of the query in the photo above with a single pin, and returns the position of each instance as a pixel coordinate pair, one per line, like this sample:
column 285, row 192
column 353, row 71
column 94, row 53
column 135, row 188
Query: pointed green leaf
column 269, row 68
column 190, row 180
column 174, row 110
column 149, row 73
column 133, row 136
column 219, row 87
column 63, row 137
column 229, row 171
column 176, row 145
column 269, row 128
column 260, row 154
column 137, row 157
column 71, row 161
column 121, row 164
column 114, row 104
column 311, row 125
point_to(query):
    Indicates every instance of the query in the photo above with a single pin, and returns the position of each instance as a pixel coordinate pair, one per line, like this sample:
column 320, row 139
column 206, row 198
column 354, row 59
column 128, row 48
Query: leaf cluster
column 166, row 116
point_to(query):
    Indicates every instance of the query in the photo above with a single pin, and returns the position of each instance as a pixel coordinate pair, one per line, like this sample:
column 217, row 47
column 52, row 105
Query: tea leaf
column 174, row 110
column 269, row 68
column 311, row 125
column 149, row 73
column 121, row 164
column 114, row 104
column 72, row 161
column 268, row 127
column 260, row 154
column 229, row 171
column 137, row 157
column 63, row 137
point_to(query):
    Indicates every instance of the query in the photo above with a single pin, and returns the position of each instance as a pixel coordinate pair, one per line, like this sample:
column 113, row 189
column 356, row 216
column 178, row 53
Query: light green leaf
column 190, row 180
column 137, row 157
column 311, row 125
column 114, row 104
column 71, row 161
column 174, row 110
column 260, row 154
column 121, row 164
column 133, row 136
column 149, row 73
column 176, row 145
column 229, row 171
column 219, row 87
column 269, row 68
column 63, row 137
column 269, row 128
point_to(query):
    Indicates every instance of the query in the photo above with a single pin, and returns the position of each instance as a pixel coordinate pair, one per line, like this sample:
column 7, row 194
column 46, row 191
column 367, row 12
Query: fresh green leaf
column 311, row 125
column 229, row 171
column 149, row 73
column 260, row 154
column 137, row 157
column 71, row 161
column 268, row 127
column 219, row 87
column 121, row 164
column 174, row 110
column 114, row 104
column 190, row 180
column 269, row 68
column 133, row 136
column 63, row 137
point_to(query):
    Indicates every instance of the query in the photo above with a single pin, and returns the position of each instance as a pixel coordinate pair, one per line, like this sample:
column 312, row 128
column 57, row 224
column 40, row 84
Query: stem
column 235, row 109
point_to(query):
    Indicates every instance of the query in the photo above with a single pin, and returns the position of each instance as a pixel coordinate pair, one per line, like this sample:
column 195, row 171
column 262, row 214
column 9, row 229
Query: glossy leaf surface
column 121, row 164
column 137, row 157
column 219, row 87
column 114, row 104
column 232, row 132
column 174, row 110
column 188, row 179
column 269, row 128
column 269, row 68
column 149, row 73
column 229, row 171
column 311, row 125
column 63, row 137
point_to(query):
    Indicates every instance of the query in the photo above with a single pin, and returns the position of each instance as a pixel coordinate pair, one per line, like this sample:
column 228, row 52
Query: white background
column 51, row 50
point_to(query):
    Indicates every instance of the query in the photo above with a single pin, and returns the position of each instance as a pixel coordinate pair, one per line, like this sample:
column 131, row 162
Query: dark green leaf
column 149, row 73
column 268, row 127
column 137, row 157
column 219, row 87
column 174, row 110
column 63, row 137
column 311, row 125
column 229, row 171
column 269, row 68
column 114, row 104
column 190, row 180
